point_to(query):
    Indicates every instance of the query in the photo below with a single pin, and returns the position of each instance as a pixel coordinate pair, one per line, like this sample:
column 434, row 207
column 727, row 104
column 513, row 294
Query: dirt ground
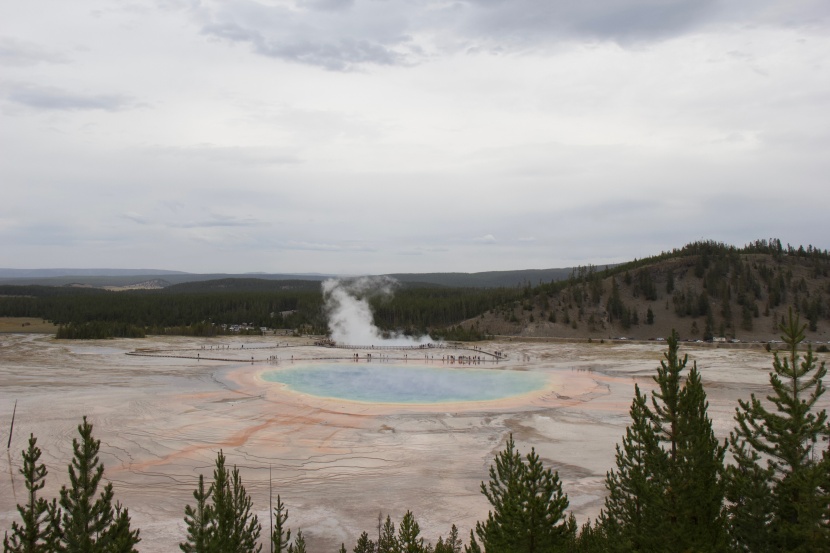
column 26, row 325
column 336, row 464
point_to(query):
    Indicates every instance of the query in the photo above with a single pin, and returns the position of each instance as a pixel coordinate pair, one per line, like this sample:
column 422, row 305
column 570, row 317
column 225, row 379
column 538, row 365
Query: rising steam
column 350, row 317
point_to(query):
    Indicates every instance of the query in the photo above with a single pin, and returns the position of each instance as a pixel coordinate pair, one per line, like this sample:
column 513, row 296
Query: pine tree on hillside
column 779, row 488
column 40, row 529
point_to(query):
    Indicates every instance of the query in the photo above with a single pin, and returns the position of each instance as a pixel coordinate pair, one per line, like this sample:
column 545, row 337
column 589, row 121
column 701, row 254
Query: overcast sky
column 378, row 136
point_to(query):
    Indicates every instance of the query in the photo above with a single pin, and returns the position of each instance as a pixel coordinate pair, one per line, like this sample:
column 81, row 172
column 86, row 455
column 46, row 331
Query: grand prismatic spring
column 164, row 411
column 397, row 383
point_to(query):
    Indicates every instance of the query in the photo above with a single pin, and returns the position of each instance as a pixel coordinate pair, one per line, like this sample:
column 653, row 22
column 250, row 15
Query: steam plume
column 350, row 317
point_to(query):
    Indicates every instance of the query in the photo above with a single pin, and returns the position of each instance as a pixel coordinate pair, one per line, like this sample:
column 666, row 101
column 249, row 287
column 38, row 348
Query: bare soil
column 26, row 325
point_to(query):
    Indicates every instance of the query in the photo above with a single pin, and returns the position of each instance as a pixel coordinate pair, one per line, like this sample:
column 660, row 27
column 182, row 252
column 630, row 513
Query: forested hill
column 487, row 279
column 704, row 290
column 242, row 285
column 210, row 308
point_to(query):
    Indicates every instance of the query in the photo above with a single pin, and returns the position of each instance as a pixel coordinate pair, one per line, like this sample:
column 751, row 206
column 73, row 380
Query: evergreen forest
column 201, row 309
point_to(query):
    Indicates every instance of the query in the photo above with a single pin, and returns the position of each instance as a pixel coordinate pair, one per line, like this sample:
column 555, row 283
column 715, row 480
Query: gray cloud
column 311, row 246
column 509, row 24
column 346, row 35
column 19, row 53
column 235, row 155
column 136, row 218
column 603, row 130
column 644, row 19
column 623, row 20
column 338, row 36
column 52, row 98
column 326, row 5
column 64, row 234
column 217, row 220
column 341, row 55
column 212, row 220
column 312, row 46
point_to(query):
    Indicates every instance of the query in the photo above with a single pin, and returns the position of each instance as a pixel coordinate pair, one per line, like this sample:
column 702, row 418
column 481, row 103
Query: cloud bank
column 365, row 137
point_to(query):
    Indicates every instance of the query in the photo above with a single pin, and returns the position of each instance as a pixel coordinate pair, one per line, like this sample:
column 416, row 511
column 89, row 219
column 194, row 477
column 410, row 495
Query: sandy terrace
column 336, row 464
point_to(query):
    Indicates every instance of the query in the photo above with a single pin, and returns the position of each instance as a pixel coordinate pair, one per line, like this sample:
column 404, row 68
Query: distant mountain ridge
column 135, row 277
column 48, row 273
column 120, row 278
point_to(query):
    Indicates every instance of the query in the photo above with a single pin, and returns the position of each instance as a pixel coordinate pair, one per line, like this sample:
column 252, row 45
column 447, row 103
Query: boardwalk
column 240, row 354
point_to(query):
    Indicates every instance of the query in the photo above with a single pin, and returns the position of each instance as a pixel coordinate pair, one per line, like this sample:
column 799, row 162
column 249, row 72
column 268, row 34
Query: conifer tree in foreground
column 281, row 535
column 387, row 540
column 122, row 538
column 779, row 487
column 364, row 544
column 90, row 525
column 528, row 513
column 40, row 529
column 473, row 546
column 667, row 492
column 227, row 525
column 451, row 545
column 198, row 520
column 632, row 514
column 299, row 543
column 236, row 529
column 408, row 535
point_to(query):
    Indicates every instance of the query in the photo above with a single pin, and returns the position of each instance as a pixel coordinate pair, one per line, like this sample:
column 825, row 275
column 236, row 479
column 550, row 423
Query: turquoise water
column 385, row 383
